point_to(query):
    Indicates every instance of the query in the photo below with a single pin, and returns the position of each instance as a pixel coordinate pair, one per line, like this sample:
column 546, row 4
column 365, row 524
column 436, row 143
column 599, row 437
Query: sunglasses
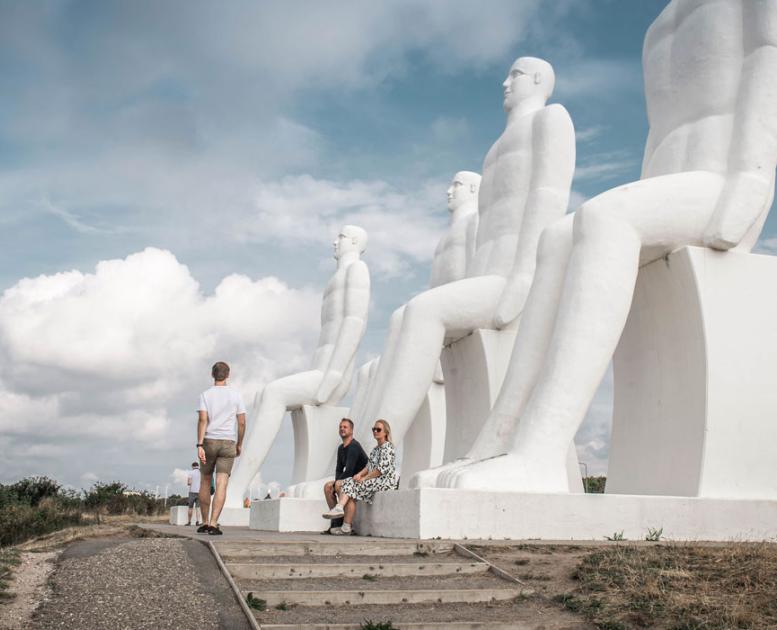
column 376, row 429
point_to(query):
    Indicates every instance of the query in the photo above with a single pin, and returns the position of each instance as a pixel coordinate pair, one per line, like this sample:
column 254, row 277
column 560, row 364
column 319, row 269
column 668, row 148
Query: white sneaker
column 336, row 531
column 335, row 512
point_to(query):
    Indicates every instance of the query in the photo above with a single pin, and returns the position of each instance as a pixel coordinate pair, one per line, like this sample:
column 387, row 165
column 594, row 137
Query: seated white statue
column 343, row 322
column 452, row 256
column 708, row 180
column 525, row 186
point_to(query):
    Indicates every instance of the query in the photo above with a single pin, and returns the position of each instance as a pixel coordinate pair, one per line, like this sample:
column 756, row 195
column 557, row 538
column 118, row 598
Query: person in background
column 379, row 474
column 220, row 430
column 351, row 458
column 193, row 481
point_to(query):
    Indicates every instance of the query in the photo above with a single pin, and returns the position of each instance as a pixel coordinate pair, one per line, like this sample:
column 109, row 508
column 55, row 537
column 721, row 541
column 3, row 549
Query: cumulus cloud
column 121, row 353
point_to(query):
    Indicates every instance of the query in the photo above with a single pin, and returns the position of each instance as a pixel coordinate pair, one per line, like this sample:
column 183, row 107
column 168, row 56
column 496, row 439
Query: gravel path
column 148, row 583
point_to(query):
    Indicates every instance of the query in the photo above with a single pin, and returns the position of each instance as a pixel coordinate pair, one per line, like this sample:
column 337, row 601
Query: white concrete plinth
column 459, row 514
column 234, row 517
column 474, row 368
column 424, row 442
column 695, row 404
column 179, row 515
column 289, row 514
column 315, row 439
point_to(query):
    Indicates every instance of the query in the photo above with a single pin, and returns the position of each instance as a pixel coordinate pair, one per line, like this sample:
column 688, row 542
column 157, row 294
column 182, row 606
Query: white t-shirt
column 222, row 404
column 194, row 477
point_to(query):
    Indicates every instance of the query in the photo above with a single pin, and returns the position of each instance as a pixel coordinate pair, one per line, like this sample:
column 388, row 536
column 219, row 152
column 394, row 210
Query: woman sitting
column 380, row 474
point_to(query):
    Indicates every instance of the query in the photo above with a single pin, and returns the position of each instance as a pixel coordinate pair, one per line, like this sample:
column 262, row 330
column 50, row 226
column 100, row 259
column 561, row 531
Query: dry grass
column 9, row 558
column 678, row 586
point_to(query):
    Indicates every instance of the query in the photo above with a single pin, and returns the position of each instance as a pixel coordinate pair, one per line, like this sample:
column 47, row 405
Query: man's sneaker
column 327, row 531
column 338, row 531
column 335, row 512
column 203, row 529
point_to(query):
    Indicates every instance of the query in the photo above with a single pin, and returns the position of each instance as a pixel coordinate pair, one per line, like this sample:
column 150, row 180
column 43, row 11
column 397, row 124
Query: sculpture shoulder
column 554, row 119
column 357, row 274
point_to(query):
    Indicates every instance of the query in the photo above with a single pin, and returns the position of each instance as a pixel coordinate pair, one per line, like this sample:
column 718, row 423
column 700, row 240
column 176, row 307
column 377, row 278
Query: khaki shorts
column 219, row 454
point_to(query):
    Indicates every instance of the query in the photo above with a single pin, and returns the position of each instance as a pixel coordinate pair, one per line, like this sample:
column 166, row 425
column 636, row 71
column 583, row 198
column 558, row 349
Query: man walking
column 351, row 458
column 219, row 441
column 193, row 482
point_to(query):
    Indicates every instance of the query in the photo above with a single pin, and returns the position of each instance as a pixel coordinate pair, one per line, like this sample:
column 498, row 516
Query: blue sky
column 233, row 140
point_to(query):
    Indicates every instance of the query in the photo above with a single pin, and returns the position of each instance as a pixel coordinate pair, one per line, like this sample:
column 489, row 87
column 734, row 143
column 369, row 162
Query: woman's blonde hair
column 386, row 428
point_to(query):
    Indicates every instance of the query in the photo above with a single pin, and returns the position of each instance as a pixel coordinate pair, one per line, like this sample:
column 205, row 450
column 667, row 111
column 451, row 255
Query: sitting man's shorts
column 219, row 454
column 194, row 499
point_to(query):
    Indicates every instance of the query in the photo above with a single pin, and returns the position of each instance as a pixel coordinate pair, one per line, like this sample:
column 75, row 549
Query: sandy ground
column 30, row 587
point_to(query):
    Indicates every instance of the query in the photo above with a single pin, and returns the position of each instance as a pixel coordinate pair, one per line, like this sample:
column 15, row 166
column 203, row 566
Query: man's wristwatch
column 200, row 446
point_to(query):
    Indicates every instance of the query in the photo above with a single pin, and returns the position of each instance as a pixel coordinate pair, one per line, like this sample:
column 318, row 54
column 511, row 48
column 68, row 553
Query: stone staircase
column 340, row 583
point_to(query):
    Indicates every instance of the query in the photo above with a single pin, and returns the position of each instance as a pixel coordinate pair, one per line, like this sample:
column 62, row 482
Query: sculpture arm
column 553, row 165
column 753, row 153
column 357, row 303
column 472, row 241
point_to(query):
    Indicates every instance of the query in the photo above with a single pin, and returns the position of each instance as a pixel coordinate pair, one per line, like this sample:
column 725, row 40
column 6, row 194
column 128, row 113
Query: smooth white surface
column 344, row 310
column 695, row 380
column 708, row 179
column 234, row 517
column 289, row 515
column 525, row 186
column 458, row 514
column 179, row 515
column 315, row 439
column 424, row 442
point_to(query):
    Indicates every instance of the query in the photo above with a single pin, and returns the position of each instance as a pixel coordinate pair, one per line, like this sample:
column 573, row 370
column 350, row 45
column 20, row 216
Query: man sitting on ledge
column 351, row 458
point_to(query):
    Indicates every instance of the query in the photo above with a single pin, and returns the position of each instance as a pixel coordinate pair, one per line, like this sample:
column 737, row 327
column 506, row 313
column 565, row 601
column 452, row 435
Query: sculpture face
column 344, row 244
column 522, row 82
column 463, row 190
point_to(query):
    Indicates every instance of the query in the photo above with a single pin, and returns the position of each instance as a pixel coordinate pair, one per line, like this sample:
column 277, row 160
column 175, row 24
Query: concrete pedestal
column 474, row 368
column 424, row 442
column 459, row 514
column 234, row 517
column 315, row 439
column 695, row 405
column 289, row 514
column 179, row 515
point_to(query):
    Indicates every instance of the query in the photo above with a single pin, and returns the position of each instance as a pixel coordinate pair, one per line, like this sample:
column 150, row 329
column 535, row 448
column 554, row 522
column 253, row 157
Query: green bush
column 595, row 484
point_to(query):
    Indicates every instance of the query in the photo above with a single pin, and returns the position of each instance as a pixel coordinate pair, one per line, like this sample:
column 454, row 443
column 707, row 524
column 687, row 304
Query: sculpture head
column 350, row 239
column 463, row 190
column 529, row 79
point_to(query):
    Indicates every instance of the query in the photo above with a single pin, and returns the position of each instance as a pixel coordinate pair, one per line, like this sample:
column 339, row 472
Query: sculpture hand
column 513, row 300
column 741, row 201
column 332, row 378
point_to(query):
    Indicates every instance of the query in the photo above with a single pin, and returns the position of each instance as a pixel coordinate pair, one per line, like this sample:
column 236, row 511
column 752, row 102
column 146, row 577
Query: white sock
column 346, row 528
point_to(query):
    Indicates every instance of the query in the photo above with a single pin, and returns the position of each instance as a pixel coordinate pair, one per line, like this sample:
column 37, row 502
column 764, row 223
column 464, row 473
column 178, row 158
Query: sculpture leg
column 531, row 344
column 462, row 305
column 264, row 424
column 611, row 232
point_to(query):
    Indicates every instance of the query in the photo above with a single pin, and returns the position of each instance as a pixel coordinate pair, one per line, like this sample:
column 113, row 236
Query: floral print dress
column 384, row 458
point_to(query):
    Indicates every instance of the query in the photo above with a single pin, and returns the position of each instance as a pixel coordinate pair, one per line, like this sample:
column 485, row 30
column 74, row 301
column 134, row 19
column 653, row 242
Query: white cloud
column 589, row 133
column 119, row 355
column 88, row 478
column 766, row 245
column 605, row 166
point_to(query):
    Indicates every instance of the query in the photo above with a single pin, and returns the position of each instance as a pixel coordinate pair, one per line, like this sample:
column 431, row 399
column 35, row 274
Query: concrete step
column 369, row 547
column 254, row 571
column 430, row 596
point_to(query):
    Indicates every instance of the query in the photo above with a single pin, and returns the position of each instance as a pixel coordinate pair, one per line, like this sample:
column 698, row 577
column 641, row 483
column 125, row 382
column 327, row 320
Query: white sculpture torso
column 455, row 249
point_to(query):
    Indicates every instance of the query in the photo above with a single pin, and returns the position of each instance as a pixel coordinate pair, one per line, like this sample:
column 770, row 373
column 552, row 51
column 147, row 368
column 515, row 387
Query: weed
column 654, row 535
column 377, row 625
column 369, row 577
column 616, row 536
column 522, row 562
column 421, row 554
column 9, row 558
column 282, row 606
column 569, row 601
column 256, row 603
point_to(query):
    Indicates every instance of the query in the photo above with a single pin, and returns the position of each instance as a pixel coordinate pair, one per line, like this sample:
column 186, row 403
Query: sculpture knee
column 595, row 218
column 420, row 309
column 395, row 323
column 555, row 241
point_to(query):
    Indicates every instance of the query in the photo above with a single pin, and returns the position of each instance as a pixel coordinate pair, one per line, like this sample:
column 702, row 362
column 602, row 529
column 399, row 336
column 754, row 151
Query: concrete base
column 695, row 398
column 289, row 514
column 234, row 517
column 434, row 512
column 179, row 515
column 424, row 442
column 315, row 439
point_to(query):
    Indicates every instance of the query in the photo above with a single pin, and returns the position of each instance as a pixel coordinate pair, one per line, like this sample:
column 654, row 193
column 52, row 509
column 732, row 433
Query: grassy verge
column 9, row 558
column 677, row 586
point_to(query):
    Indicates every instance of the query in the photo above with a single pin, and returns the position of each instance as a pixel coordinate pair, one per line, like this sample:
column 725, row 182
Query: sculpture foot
column 510, row 473
column 433, row 477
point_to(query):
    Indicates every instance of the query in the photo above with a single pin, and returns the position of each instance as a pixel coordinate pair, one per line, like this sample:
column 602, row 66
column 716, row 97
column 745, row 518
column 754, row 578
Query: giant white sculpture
column 343, row 322
column 708, row 180
column 525, row 186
